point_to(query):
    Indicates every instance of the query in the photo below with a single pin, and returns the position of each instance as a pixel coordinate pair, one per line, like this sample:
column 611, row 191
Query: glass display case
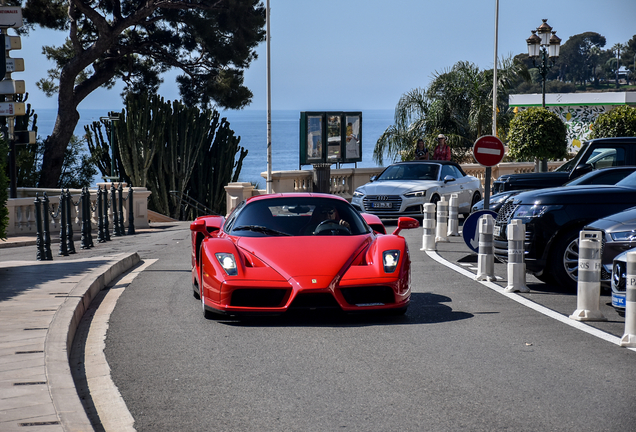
column 330, row 137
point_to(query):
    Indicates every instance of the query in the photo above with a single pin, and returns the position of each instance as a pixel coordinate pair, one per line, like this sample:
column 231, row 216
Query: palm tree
column 457, row 103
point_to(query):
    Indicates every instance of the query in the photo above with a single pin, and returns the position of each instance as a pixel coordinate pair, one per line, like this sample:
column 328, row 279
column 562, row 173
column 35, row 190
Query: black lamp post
column 545, row 45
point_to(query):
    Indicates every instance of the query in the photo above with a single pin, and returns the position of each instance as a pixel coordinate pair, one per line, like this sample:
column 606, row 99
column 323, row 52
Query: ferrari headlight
column 624, row 236
column 421, row 193
column 390, row 260
column 228, row 263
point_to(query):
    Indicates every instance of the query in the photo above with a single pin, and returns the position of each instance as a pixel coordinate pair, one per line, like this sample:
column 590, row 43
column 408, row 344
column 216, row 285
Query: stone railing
column 22, row 209
column 343, row 182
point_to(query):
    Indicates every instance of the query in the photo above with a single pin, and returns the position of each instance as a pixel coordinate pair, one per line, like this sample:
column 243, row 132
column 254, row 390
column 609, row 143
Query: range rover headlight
column 390, row 260
column 228, row 263
column 528, row 212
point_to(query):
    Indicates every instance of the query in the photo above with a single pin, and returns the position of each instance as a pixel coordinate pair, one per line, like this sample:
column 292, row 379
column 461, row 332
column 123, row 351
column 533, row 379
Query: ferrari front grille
column 264, row 297
column 366, row 295
column 323, row 300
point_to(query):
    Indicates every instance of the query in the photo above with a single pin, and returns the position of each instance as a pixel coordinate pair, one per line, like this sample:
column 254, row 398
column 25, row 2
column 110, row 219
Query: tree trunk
column 55, row 146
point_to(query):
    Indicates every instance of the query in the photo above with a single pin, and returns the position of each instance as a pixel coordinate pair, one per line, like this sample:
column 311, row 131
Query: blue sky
column 364, row 54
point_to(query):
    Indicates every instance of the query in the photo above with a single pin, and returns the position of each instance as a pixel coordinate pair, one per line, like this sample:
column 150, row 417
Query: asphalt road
column 463, row 357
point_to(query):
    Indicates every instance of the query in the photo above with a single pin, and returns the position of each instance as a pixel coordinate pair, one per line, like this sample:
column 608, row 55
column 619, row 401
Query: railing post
column 113, row 204
column 47, row 235
column 70, row 244
column 106, row 221
column 39, row 241
column 100, row 216
column 87, row 238
column 62, row 251
column 122, row 231
column 131, row 213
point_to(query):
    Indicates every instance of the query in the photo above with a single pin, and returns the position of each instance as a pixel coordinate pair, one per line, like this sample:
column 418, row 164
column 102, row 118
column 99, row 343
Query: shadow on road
column 425, row 308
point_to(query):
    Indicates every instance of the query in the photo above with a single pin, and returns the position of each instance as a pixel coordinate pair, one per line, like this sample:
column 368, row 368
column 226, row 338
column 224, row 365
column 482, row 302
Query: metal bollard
column 442, row 220
column 100, row 217
column 85, row 202
column 453, row 215
column 122, row 231
column 70, row 245
column 39, row 240
column 46, row 232
column 428, row 223
column 516, row 264
column 131, row 214
column 63, row 250
column 113, row 201
column 106, row 206
column 629, row 338
column 486, row 255
column 588, row 299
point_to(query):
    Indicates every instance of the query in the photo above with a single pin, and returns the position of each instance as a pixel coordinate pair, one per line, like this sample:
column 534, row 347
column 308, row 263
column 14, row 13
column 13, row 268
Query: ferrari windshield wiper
column 261, row 229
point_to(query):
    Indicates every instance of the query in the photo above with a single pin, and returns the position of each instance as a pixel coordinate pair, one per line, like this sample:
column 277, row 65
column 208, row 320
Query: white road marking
column 530, row 304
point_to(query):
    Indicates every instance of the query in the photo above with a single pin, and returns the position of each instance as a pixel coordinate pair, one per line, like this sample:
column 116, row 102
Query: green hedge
column 619, row 122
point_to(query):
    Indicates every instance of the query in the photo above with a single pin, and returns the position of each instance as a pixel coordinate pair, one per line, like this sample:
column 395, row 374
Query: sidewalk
column 41, row 304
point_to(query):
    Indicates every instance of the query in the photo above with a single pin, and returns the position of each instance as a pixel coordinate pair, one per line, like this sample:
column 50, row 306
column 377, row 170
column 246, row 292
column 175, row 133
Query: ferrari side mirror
column 406, row 223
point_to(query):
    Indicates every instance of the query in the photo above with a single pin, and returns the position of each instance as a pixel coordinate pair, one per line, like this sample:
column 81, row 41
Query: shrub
column 537, row 133
column 619, row 122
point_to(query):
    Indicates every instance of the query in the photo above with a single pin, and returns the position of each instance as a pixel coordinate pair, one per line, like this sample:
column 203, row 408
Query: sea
column 251, row 126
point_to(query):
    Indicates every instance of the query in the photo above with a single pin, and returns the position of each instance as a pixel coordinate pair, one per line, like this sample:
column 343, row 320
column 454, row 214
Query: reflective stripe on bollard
column 453, row 216
column 516, row 232
column 486, row 255
column 442, row 220
column 428, row 224
column 588, row 297
column 629, row 338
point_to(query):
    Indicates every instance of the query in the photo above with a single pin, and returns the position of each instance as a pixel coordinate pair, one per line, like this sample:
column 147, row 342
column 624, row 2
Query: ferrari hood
column 396, row 187
column 293, row 257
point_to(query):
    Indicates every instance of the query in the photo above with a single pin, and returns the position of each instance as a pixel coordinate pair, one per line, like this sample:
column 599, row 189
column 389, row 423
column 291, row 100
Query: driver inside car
column 324, row 215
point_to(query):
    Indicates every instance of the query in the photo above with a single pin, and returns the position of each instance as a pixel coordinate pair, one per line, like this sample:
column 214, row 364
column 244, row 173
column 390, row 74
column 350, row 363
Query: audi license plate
column 383, row 205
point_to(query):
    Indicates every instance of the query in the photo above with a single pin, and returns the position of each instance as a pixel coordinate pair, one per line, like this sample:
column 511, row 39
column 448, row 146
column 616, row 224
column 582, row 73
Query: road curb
column 59, row 339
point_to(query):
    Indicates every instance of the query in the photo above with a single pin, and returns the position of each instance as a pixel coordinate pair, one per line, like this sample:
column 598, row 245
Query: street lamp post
column 545, row 45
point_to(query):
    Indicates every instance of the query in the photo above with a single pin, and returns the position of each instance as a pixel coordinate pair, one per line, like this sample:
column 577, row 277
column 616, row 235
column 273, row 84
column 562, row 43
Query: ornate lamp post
column 545, row 45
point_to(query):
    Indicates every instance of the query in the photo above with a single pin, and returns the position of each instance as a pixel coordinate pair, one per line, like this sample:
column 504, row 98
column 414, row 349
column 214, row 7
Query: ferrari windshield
column 419, row 171
column 296, row 216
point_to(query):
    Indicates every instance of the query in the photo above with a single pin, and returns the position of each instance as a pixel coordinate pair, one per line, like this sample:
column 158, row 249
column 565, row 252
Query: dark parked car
column 619, row 235
column 608, row 176
column 553, row 219
column 594, row 154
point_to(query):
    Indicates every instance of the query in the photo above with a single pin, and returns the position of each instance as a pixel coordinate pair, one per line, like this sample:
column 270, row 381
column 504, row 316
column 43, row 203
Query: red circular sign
column 488, row 151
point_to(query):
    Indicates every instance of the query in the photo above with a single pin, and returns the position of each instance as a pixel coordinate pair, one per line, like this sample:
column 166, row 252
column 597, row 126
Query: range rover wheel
column 564, row 260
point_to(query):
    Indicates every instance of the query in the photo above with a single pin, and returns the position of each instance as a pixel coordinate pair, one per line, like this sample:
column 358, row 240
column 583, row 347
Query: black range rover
column 553, row 218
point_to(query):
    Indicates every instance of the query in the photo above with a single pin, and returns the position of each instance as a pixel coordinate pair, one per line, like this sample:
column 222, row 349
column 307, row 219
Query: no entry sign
column 488, row 151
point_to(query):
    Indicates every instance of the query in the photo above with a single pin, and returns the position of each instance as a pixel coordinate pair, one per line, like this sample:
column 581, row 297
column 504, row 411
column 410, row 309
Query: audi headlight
column 228, row 263
column 528, row 212
column 421, row 193
column 390, row 260
column 357, row 194
column 624, row 236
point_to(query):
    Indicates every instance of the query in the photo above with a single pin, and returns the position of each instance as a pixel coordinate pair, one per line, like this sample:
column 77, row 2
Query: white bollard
column 428, row 223
column 486, row 255
column 442, row 220
column 453, row 216
column 588, row 299
column 516, row 232
column 629, row 338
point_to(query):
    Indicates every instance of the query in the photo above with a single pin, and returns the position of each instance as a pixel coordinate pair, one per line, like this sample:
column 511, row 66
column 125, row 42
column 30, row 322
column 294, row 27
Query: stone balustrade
column 22, row 209
column 344, row 181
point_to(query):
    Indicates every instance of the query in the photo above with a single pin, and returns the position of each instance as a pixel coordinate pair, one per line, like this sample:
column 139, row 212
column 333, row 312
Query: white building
column 577, row 110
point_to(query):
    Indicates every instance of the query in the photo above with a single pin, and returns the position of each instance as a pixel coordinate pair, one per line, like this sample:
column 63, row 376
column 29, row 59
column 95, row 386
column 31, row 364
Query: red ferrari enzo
column 288, row 251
